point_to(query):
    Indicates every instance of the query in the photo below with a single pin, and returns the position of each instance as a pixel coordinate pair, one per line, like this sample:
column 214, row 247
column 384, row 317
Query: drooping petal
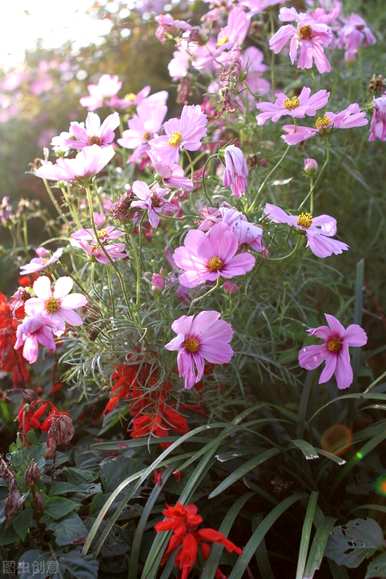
column 343, row 372
column 310, row 357
column 329, row 368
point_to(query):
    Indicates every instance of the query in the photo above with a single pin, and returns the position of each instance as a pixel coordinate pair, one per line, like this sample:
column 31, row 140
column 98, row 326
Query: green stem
column 270, row 173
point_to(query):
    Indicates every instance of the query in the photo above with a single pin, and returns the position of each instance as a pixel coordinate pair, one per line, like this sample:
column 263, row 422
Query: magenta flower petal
column 310, row 357
column 344, row 372
column 329, row 368
column 355, row 336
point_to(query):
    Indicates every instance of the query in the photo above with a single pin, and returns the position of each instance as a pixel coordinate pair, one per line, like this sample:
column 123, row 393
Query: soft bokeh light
column 52, row 22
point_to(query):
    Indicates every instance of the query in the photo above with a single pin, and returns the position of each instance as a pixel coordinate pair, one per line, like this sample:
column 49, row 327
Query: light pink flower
column 151, row 200
column 173, row 176
column 326, row 11
column 205, row 257
column 334, row 351
column 167, row 25
column 93, row 132
column 297, row 106
column 183, row 133
column 44, row 260
column 247, row 233
column 236, row 171
column 31, row 333
column 257, row 6
column 57, row 305
column 378, row 120
column 319, row 230
column 108, row 86
column 235, row 31
column 307, row 40
column 351, row 117
column 85, row 239
column 354, row 34
column 87, row 163
column 144, row 125
column 202, row 338
column 179, row 65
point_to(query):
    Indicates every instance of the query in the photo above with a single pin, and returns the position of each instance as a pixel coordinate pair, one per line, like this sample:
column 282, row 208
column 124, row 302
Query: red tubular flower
column 187, row 539
column 38, row 414
column 11, row 360
column 152, row 415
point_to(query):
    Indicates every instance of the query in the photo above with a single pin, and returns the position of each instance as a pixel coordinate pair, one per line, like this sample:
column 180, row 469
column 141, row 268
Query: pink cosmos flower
column 326, row 11
column 354, row 34
column 44, row 260
column 31, row 333
column 179, row 65
column 236, row 171
column 378, row 120
column 93, row 132
column 252, row 64
column 108, row 86
column 256, row 6
column 85, row 239
column 297, row 106
column 205, row 257
column 307, row 40
column 144, row 126
column 247, row 233
column 318, row 230
column 183, row 133
column 152, row 200
column 349, row 118
column 57, row 305
column 234, row 33
column 167, row 25
column 334, row 351
column 87, row 163
column 202, row 338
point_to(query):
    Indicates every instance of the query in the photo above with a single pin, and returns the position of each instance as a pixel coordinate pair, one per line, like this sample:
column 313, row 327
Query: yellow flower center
column 334, row 345
column 322, row 123
column 102, row 234
column 305, row 32
column 130, row 96
column 291, row 103
column 175, row 139
column 191, row 344
column 222, row 41
column 305, row 220
column 146, row 136
column 52, row 305
column 215, row 263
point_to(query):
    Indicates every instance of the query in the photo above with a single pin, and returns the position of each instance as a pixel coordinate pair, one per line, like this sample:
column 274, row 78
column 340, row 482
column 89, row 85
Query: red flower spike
column 187, row 539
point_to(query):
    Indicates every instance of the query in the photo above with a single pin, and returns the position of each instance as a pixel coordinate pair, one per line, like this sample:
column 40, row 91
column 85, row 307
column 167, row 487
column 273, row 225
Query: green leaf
column 59, row 507
column 306, row 534
column 242, row 470
column 69, row 530
column 33, row 563
column 225, row 527
column 79, row 566
column 114, row 471
column 354, row 542
column 22, row 522
column 318, row 546
column 309, row 451
column 259, row 534
column 7, row 536
column 377, row 567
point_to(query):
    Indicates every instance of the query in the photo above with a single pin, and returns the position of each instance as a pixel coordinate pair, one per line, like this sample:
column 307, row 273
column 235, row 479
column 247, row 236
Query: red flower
column 188, row 540
column 38, row 414
column 11, row 360
column 152, row 415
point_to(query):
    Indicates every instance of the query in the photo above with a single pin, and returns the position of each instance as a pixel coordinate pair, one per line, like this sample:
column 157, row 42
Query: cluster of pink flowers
column 224, row 242
column 47, row 313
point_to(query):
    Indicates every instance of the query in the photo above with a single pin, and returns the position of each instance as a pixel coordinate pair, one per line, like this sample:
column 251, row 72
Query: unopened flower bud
column 32, row 474
column 230, row 287
column 13, row 503
column 310, row 166
column 157, row 282
column 61, row 430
